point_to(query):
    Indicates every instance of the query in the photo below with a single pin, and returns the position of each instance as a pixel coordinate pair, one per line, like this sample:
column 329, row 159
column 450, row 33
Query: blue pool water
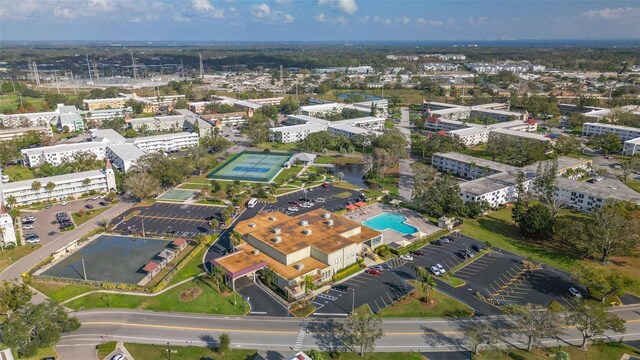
column 391, row 221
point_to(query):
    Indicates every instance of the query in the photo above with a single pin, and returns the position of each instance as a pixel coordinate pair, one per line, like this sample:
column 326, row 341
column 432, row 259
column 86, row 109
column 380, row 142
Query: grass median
column 413, row 306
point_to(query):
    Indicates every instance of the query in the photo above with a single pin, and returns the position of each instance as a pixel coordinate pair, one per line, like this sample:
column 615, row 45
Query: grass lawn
column 346, row 185
column 87, row 215
column 210, row 301
column 105, row 349
column 211, row 202
column 606, row 351
column 193, row 186
column 61, row 291
column 42, row 353
column 389, row 182
column 154, row 352
column 278, row 146
column 287, row 174
column 17, row 173
column 10, row 102
column 478, row 151
column 499, row 229
column 191, row 269
column 378, row 356
column 7, row 257
column 305, row 311
column 633, row 184
column 412, row 306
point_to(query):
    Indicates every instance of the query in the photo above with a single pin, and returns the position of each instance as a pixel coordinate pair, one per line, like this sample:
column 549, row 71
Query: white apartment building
column 588, row 197
column 623, row 132
column 495, row 189
column 631, row 147
column 10, row 133
column 468, row 167
column 158, row 123
column 29, row 120
column 66, row 186
column 294, row 133
column 124, row 156
column 105, row 114
column 305, row 125
column 520, row 134
column 472, row 135
column 57, row 154
column 166, row 142
column 108, row 136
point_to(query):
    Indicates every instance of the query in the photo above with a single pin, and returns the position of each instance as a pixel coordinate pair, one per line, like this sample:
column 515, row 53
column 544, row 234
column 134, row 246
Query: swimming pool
column 390, row 221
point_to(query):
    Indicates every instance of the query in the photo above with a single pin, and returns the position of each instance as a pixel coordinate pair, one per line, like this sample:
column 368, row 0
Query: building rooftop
column 611, row 126
column 601, row 189
column 107, row 135
column 488, row 184
column 61, row 148
column 300, row 127
column 480, row 162
column 177, row 118
column 470, row 131
column 161, row 137
column 89, row 101
column 26, row 184
column 324, row 237
column 523, row 134
column 126, row 152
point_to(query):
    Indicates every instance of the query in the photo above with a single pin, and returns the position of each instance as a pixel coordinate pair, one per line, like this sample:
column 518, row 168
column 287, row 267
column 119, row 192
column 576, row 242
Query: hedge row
column 420, row 243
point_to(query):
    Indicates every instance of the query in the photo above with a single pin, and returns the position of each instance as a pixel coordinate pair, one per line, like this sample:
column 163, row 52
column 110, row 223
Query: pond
column 353, row 174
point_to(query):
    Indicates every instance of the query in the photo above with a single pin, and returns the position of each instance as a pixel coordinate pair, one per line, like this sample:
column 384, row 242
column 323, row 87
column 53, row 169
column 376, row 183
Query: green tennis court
column 177, row 195
column 251, row 166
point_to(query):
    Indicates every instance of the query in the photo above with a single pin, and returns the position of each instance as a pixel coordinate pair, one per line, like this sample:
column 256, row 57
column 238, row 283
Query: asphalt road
column 283, row 334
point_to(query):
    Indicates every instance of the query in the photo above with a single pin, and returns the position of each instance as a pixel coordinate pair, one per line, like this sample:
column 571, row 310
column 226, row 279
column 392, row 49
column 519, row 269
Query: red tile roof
column 179, row 242
column 150, row 267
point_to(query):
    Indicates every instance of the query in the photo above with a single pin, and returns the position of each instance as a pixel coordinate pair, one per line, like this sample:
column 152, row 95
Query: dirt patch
column 411, row 297
column 190, row 294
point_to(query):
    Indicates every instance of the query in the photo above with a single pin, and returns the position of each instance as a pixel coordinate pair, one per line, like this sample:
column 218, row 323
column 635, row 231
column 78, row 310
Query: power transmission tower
column 133, row 66
column 95, row 72
column 36, row 74
column 89, row 67
column 182, row 67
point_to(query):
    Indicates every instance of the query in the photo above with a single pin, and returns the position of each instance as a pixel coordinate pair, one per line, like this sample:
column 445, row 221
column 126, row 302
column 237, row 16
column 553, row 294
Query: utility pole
column 57, row 84
column 95, row 72
column 143, row 234
column 133, row 66
column 182, row 67
column 35, row 73
column 89, row 67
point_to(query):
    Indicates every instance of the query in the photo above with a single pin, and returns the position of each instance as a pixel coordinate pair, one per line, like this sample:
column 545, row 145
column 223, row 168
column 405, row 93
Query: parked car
column 372, row 271
column 32, row 239
column 379, row 267
column 28, row 219
column 294, row 203
column 292, row 208
column 476, row 248
column 340, row 287
column 61, row 214
column 28, row 226
column 469, row 253
column 462, row 254
column 119, row 357
column 445, row 240
column 418, row 253
column 320, row 200
column 325, row 185
column 434, row 270
column 440, row 268
column 89, row 206
column 48, row 206
column 406, row 257
column 64, row 203
column 437, row 242
column 103, row 203
column 95, row 198
column 575, row 293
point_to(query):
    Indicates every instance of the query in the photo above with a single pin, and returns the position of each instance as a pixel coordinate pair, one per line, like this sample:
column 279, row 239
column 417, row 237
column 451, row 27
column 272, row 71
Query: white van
column 252, row 202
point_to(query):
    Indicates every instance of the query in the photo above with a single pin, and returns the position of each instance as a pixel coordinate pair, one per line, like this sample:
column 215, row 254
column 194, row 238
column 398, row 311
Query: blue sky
column 313, row 20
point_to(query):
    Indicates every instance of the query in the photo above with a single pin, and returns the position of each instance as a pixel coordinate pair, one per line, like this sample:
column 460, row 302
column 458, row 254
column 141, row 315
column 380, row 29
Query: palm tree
column 49, row 187
column 2, row 245
column 340, row 175
column 235, row 239
column 216, row 274
column 427, row 282
column 309, row 286
column 269, row 276
column 36, row 186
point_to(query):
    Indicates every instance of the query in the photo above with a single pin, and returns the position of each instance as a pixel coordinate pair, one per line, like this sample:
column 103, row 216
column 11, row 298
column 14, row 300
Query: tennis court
column 251, row 166
column 177, row 195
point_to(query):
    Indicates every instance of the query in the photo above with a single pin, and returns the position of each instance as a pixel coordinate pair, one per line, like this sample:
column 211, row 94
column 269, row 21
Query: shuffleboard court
column 251, row 166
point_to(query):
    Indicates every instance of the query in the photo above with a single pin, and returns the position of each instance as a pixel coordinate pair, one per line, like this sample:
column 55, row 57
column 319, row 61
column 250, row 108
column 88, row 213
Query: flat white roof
column 611, row 126
column 63, row 147
column 110, row 135
column 470, row 131
column 164, row 137
column 26, row 184
column 523, row 134
column 126, row 152
column 158, row 119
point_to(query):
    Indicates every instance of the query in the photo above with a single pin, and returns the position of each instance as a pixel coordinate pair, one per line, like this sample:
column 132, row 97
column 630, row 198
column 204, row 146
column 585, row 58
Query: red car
column 325, row 185
column 418, row 253
column 373, row 271
column 294, row 203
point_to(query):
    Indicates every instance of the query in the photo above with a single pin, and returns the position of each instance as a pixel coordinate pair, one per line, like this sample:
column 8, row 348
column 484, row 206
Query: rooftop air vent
column 252, row 225
column 277, row 239
column 276, row 231
column 304, row 223
column 307, row 231
column 326, row 215
column 299, row 266
column 256, row 252
column 329, row 222
column 272, row 218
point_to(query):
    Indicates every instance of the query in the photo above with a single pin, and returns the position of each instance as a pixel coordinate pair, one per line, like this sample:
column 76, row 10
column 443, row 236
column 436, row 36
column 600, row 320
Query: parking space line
column 378, row 306
column 390, row 299
column 382, row 299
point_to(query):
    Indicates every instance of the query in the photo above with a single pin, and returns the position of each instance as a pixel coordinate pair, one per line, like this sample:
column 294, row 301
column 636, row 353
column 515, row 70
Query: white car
column 119, row 357
column 64, row 203
column 575, row 293
column 320, row 200
column 95, row 198
column 28, row 219
column 441, row 268
column 307, row 205
column 434, row 270
column 292, row 208
column 32, row 240
column 406, row 257
column 28, row 226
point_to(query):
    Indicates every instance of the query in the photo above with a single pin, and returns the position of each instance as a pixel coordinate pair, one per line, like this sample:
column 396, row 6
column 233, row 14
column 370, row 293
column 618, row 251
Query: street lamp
column 353, row 299
column 168, row 351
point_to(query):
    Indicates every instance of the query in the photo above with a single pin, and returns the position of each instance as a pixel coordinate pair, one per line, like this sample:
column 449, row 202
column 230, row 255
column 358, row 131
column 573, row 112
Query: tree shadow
column 324, row 333
column 211, row 342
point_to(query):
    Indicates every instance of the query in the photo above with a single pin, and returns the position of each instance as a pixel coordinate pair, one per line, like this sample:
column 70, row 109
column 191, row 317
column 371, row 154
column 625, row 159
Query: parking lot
column 164, row 218
column 46, row 226
column 328, row 200
column 498, row 275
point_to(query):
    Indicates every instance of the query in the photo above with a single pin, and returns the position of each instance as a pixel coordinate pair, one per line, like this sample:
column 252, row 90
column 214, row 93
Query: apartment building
column 300, row 126
column 166, row 142
column 468, row 167
column 623, row 132
column 587, row 197
column 631, row 147
column 66, row 186
column 496, row 189
column 519, row 134
column 11, row 133
column 105, row 114
column 316, row 244
column 295, row 133
column 157, row 123
column 29, row 120
column 472, row 135
column 108, row 136
column 439, row 67
column 57, row 154
column 100, row 104
column 123, row 156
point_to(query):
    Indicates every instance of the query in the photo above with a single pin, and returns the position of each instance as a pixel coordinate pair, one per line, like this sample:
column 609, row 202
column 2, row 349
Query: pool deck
column 390, row 236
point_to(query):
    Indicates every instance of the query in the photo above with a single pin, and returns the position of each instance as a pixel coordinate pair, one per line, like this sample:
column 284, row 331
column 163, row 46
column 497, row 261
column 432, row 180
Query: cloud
column 283, row 2
column 429, row 22
column 64, row 13
column 122, row 10
column 346, row 6
column 262, row 12
column 612, row 13
column 476, row 21
column 320, row 17
column 406, row 20
column 201, row 5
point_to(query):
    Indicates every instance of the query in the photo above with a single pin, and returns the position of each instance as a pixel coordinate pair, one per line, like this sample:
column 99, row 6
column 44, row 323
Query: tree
column 566, row 144
column 537, row 222
column 522, row 199
column 86, row 182
column 141, row 185
column 13, row 297
column 480, row 333
column 614, row 230
column 426, row 281
column 630, row 166
column 534, row 322
column 216, row 274
column 436, row 194
column 49, row 187
column 36, row 186
column 544, row 186
column 601, row 282
column 608, row 143
column 309, row 286
column 340, row 175
column 37, row 326
column 359, row 332
column 11, row 200
column 593, row 321
column 257, row 129
column 224, row 342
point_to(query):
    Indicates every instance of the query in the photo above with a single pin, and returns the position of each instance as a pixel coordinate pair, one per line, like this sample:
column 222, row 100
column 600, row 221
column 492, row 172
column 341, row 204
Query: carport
column 239, row 264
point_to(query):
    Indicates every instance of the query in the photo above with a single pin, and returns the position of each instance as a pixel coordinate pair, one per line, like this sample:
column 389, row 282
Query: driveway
column 262, row 303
